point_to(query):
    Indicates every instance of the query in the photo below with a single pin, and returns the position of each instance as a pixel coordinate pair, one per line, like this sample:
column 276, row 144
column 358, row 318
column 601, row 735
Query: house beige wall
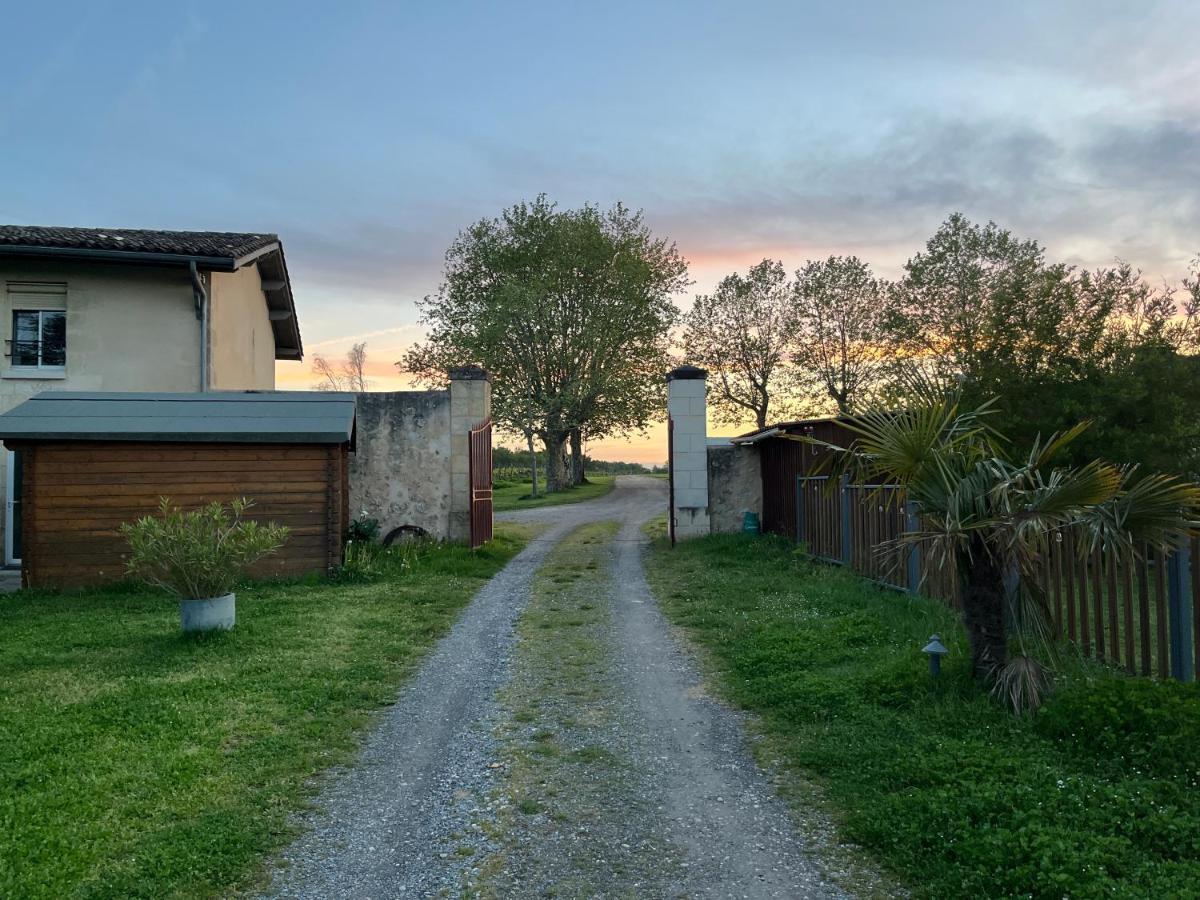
column 134, row 328
column 242, row 341
column 129, row 328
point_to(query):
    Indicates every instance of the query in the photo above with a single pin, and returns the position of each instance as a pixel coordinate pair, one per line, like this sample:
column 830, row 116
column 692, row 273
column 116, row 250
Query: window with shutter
column 38, row 336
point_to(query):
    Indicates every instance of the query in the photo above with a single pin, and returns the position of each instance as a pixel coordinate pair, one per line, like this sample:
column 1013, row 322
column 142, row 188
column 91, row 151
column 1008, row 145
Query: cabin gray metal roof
column 261, row 417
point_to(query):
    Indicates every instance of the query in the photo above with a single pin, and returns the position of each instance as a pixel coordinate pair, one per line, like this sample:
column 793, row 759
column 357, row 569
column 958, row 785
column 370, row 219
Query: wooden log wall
column 76, row 495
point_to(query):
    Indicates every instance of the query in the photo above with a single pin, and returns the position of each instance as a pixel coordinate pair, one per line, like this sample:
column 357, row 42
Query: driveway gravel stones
column 582, row 818
column 583, row 760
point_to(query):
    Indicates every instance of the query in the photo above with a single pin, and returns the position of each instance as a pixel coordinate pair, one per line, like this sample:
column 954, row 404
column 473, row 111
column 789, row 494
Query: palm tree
column 988, row 514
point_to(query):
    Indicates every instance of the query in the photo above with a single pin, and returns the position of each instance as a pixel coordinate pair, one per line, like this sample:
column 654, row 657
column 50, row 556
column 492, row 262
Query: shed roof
column 789, row 426
column 263, row 417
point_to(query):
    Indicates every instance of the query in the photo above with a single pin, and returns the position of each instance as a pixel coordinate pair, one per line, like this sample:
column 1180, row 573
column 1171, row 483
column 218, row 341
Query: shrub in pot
column 198, row 556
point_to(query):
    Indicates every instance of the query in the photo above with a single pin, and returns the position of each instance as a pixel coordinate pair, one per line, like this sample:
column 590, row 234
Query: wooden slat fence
column 1137, row 611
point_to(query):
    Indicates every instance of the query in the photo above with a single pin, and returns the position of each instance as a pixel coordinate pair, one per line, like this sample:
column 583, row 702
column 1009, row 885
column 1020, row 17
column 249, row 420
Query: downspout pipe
column 200, row 295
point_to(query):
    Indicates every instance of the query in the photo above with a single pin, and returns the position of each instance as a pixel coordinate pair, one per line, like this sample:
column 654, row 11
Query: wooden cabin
column 784, row 460
column 89, row 462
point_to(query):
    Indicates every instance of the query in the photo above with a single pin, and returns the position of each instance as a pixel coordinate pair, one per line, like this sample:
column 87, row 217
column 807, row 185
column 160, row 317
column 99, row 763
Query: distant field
column 509, row 495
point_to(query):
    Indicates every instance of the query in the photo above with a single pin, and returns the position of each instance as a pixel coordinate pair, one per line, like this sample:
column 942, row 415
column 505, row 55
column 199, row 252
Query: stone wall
column 400, row 470
column 734, row 485
column 411, row 462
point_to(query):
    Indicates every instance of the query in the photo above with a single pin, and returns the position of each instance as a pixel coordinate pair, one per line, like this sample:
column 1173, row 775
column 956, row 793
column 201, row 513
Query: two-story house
column 96, row 309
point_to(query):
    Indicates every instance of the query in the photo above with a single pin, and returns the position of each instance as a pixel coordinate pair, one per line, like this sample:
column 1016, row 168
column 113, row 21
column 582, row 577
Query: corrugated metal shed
column 281, row 417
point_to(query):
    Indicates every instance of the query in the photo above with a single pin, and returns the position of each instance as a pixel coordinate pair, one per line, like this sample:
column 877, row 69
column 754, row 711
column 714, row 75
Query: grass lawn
column 509, row 495
column 1098, row 794
column 135, row 762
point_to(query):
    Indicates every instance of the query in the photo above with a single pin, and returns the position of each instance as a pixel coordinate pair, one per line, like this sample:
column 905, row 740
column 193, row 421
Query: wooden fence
column 1137, row 612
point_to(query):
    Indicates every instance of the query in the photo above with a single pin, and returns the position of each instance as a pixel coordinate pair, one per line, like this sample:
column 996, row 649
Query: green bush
column 1130, row 724
column 201, row 553
column 364, row 529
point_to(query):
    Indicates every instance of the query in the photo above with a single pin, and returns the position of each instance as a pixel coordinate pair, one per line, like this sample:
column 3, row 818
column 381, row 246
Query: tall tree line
column 978, row 311
column 571, row 311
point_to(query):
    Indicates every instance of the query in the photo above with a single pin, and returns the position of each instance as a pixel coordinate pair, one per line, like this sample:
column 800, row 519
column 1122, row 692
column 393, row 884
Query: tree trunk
column 983, row 611
column 532, row 462
column 557, row 476
column 576, row 457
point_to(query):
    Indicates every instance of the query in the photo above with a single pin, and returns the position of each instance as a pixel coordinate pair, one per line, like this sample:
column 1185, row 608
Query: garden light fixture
column 935, row 650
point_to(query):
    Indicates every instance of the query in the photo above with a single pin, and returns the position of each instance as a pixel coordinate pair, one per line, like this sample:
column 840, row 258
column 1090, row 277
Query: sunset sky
column 368, row 134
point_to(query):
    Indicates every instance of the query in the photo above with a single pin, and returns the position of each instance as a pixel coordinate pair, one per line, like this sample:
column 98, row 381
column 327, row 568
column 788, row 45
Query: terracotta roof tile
column 137, row 240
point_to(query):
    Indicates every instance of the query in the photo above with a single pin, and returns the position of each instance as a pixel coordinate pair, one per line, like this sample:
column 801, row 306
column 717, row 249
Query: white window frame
column 34, row 297
column 41, row 313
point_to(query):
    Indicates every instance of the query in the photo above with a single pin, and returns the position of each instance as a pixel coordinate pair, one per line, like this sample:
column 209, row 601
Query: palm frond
column 1157, row 509
column 1060, row 494
column 905, row 443
column 1042, row 454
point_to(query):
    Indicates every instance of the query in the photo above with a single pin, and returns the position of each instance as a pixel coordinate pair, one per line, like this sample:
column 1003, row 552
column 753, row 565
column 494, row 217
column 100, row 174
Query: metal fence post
column 847, row 559
column 1180, row 612
column 914, row 559
column 799, row 509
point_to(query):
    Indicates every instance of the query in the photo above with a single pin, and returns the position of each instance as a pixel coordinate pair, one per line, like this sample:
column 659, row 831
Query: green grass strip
column 135, row 762
column 510, row 495
column 1096, row 795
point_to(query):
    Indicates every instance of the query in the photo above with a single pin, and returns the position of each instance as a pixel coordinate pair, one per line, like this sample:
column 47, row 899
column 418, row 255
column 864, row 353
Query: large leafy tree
column 1143, row 387
column 984, row 308
column 740, row 334
column 837, row 328
column 570, row 312
column 983, row 311
column 986, row 511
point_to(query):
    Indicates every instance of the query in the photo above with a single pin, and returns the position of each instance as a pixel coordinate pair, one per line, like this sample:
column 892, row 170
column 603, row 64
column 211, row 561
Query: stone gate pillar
column 687, row 410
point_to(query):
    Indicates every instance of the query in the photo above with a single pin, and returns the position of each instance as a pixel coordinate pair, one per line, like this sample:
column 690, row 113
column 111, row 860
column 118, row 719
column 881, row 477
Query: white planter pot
column 213, row 614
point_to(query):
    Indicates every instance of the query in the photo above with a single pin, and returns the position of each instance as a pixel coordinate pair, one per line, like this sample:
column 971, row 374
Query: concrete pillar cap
column 687, row 373
column 470, row 372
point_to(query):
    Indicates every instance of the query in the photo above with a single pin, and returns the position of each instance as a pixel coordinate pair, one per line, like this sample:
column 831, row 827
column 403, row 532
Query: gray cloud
column 1090, row 192
column 1129, row 191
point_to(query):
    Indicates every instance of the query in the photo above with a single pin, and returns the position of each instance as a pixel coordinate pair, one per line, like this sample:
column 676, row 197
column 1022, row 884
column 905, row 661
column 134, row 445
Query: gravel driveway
column 425, row 803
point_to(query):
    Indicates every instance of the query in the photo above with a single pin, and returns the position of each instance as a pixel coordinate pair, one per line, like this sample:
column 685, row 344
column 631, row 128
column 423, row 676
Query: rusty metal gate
column 480, row 451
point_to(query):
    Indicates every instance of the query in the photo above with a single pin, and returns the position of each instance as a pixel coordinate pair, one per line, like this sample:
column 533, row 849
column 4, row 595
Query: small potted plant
column 198, row 556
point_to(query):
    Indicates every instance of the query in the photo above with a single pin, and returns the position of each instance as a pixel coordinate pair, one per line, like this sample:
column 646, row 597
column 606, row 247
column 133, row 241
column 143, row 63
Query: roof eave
column 754, row 437
column 288, row 344
column 136, row 257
